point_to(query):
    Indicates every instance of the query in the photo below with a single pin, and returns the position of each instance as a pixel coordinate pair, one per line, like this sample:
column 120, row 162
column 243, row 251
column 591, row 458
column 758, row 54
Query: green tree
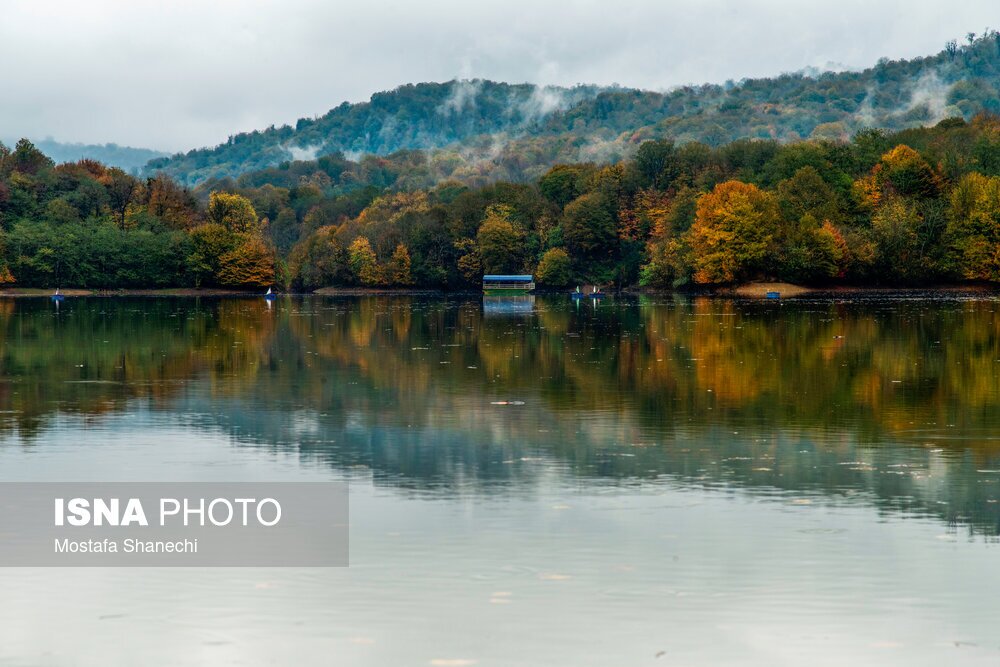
column 555, row 268
column 806, row 193
column 656, row 164
column 896, row 232
column 284, row 230
column 27, row 159
column 565, row 182
column 589, row 227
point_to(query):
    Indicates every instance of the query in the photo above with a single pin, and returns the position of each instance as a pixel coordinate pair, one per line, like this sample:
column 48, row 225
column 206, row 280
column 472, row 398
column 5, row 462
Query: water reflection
column 523, row 304
column 883, row 402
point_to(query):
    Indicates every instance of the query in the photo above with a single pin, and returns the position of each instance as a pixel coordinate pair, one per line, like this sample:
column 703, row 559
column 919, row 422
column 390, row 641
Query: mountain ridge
column 607, row 123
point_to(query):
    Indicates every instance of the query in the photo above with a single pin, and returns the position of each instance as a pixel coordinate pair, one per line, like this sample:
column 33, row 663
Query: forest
column 911, row 207
column 483, row 131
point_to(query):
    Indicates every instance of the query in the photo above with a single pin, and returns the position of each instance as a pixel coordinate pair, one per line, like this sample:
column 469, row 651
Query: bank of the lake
column 747, row 290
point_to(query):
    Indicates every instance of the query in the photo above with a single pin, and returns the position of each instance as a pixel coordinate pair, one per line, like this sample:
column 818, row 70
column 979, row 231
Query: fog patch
column 546, row 100
column 303, row 153
column 463, row 95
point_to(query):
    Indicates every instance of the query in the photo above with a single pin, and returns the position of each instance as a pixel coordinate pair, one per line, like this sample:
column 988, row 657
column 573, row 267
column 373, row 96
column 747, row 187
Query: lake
column 632, row 481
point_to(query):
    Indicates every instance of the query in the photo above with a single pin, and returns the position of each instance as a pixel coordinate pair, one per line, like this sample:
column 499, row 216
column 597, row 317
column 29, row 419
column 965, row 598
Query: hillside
column 418, row 116
column 535, row 127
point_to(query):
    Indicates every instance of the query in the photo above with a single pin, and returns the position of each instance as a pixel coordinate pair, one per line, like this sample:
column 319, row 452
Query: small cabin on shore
column 500, row 284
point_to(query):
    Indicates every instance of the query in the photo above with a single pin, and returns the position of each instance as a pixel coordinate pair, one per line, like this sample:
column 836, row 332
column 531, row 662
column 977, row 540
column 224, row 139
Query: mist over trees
column 481, row 131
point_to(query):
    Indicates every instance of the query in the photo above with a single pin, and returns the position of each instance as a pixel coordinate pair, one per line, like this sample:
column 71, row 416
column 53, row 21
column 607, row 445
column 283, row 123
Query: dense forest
column 433, row 185
column 481, row 131
column 900, row 208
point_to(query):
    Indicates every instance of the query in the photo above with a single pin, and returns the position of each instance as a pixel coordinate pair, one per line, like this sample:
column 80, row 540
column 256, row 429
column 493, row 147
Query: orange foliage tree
column 250, row 264
column 733, row 232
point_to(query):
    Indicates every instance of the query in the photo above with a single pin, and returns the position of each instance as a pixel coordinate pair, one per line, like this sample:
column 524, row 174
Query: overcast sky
column 179, row 74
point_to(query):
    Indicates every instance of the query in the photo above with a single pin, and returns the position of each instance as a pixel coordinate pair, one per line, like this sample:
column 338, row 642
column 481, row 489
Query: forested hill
column 529, row 128
column 417, row 116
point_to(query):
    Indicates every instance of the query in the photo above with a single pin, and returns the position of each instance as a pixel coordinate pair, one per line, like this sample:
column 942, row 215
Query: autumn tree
column 319, row 260
column 733, row 232
column 398, row 268
column 363, row 262
column 974, row 227
column 470, row 266
column 6, row 277
column 171, row 203
column 123, row 190
column 903, row 171
column 209, row 243
column 500, row 242
column 249, row 264
column 234, row 212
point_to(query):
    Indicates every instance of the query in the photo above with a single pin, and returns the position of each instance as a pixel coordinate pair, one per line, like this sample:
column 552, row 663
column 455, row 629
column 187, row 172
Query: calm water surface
column 635, row 482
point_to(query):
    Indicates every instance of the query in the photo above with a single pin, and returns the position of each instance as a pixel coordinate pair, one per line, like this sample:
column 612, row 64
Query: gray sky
column 185, row 73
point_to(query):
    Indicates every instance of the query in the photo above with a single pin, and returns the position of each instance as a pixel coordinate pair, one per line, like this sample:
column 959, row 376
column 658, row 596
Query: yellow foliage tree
column 234, row 212
column 398, row 270
column 364, row 265
column 974, row 227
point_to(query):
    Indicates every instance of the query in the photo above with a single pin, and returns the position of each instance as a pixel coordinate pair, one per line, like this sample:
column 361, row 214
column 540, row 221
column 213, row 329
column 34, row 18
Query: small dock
column 499, row 285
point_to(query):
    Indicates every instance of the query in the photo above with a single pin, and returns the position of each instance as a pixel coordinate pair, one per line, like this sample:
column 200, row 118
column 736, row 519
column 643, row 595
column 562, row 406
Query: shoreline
column 35, row 292
column 791, row 291
column 747, row 290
